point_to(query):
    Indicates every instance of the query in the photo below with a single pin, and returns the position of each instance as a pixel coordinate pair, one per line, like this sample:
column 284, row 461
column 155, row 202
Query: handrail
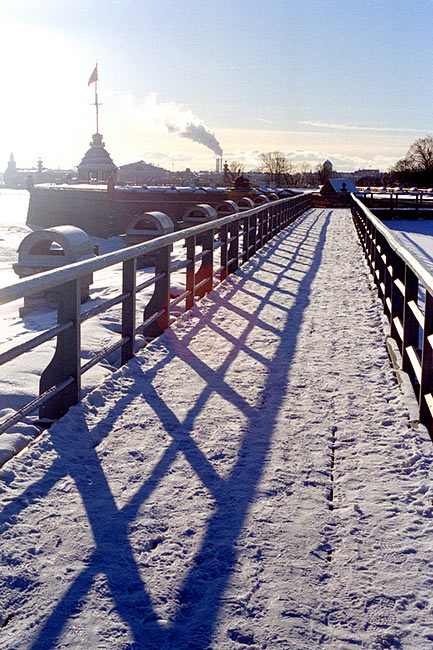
column 409, row 259
column 49, row 279
column 60, row 384
column 400, row 279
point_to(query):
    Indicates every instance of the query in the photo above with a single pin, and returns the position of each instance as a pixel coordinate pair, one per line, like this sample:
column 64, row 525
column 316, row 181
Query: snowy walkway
column 250, row 480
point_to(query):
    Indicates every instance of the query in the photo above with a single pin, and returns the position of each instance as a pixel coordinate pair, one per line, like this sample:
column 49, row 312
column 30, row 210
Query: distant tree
column 277, row 168
column 416, row 168
column 304, row 174
column 236, row 168
column 323, row 173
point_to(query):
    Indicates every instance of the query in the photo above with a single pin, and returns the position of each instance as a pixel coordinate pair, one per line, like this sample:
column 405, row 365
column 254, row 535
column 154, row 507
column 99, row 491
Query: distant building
column 97, row 164
column 142, row 173
column 338, row 186
column 186, row 177
column 373, row 173
column 19, row 178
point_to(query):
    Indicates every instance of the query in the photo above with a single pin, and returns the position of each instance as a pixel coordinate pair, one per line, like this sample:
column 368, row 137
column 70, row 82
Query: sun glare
column 43, row 91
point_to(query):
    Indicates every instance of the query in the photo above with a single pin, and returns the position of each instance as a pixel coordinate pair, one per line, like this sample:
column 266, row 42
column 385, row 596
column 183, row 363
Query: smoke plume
column 179, row 121
column 197, row 132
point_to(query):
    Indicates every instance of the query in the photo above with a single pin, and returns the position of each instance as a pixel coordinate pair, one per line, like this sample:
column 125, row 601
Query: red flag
column 93, row 76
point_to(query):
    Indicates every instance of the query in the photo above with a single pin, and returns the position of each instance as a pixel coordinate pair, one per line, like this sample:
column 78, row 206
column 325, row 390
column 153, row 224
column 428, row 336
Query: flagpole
column 96, row 100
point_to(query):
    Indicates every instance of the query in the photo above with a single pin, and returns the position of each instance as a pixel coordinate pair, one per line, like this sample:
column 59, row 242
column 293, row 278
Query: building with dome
column 97, row 165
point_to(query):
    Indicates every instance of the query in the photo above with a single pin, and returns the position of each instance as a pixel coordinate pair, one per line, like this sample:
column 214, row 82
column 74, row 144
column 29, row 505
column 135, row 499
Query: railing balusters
column 426, row 384
column 252, row 237
column 233, row 248
column 65, row 363
column 246, row 238
column 129, row 273
column 160, row 300
column 224, row 235
column 399, row 278
column 204, row 275
column 410, row 324
column 397, row 299
column 190, row 271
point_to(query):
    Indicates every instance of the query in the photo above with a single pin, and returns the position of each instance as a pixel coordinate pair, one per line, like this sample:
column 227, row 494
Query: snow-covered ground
column 248, row 480
column 417, row 237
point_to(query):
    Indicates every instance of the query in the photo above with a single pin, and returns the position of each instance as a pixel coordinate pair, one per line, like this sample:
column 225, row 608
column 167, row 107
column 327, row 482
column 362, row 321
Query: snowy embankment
column 249, row 480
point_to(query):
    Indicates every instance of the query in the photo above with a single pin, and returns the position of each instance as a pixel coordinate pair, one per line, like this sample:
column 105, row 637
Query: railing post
column 128, row 309
column 426, row 384
column 410, row 323
column 158, row 307
column 274, row 223
column 252, row 237
column 397, row 300
column 245, row 238
column 233, row 248
column 265, row 226
column 374, row 254
column 259, row 239
column 205, row 272
column 388, row 278
column 190, row 272
column 66, row 360
column 280, row 218
column 224, row 235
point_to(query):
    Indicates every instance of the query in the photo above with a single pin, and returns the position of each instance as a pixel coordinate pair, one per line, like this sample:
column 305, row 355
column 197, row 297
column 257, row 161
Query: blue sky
column 346, row 80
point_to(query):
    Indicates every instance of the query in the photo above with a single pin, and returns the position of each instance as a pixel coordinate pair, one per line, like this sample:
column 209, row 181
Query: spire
column 12, row 166
column 94, row 79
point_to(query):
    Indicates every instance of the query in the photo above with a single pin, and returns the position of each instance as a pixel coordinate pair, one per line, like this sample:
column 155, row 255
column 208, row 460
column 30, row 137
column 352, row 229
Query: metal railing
column 403, row 285
column 415, row 201
column 239, row 236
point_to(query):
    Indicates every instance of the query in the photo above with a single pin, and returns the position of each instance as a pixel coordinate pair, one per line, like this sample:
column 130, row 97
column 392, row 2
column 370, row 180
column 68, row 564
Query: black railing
column 396, row 203
column 237, row 237
column 405, row 288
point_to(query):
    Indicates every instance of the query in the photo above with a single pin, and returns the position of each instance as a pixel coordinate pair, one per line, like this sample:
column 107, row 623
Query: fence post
column 265, row 223
column 252, row 237
column 410, row 323
column 128, row 308
column 190, row 272
column 233, row 248
column 259, row 238
column 205, row 272
column 246, row 238
column 426, row 384
column 158, row 307
column 224, row 252
column 397, row 301
column 66, row 360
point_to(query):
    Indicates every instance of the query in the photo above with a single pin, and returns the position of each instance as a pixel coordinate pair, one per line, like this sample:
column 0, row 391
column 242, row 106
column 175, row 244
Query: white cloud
column 262, row 119
column 346, row 127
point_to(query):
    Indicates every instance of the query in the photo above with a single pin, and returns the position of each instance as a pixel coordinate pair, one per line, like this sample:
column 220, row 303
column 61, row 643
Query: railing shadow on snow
column 237, row 237
column 198, row 600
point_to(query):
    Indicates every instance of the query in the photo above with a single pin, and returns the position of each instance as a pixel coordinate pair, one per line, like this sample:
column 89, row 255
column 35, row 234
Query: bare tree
column 276, row 166
column 417, row 164
column 236, row 168
column 323, row 173
column 304, row 172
